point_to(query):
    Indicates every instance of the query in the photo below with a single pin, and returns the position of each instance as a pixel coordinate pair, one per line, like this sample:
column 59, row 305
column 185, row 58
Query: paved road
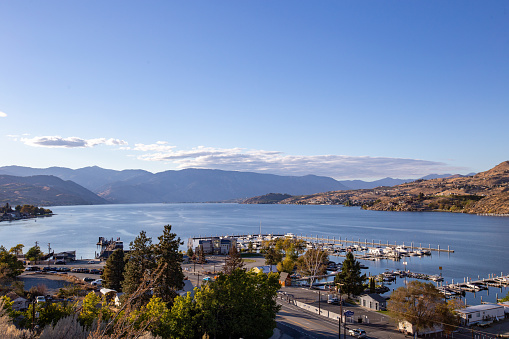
column 300, row 324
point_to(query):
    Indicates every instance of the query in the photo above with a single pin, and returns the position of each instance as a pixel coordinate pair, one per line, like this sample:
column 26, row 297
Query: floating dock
column 371, row 244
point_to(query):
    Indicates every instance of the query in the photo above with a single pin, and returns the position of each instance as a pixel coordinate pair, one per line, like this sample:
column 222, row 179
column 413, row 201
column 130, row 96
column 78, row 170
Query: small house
column 407, row 328
column 485, row 312
column 108, row 293
column 64, row 257
column 373, row 301
column 18, row 303
column 264, row 269
column 285, row 279
column 188, row 287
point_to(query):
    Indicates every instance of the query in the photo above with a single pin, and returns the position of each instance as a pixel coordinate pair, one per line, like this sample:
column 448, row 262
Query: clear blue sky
column 347, row 89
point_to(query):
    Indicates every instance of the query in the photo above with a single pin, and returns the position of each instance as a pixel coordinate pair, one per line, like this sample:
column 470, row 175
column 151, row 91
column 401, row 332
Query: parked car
column 98, row 282
column 357, row 333
column 95, row 271
column 60, row 262
column 40, row 299
column 88, row 279
column 332, row 299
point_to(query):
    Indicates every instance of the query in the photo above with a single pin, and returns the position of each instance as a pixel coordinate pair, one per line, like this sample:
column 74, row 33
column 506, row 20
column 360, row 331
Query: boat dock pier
column 371, row 244
column 470, row 285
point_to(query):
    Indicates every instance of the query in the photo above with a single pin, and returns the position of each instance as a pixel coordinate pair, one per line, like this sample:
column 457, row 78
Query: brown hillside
column 485, row 192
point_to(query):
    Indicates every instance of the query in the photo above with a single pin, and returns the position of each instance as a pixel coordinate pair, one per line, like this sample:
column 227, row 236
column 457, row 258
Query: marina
column 479, row 242
column 367, row 250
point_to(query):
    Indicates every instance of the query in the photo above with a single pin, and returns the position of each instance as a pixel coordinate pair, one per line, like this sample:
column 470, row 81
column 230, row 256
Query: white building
column 212, row 245
column 485, row 312
column 409, row 329
column 506, row 306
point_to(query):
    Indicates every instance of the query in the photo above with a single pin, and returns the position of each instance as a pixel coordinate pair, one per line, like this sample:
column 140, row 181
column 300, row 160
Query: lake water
column 480, row 242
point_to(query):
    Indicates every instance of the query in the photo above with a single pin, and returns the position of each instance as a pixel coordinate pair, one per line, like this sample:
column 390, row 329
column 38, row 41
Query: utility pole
column 340, row 314
column 319, row 300
column 33, row 315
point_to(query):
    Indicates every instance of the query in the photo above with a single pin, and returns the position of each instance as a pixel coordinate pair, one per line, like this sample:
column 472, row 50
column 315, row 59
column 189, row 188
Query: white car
column 357, row 333
column 331, row 299
column 98, row 282
column 40, row 299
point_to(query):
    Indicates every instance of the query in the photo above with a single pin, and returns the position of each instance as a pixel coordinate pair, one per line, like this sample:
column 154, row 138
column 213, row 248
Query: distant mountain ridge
column 92, row 178
column 44, row 190
column 189, row 185
column 202, row 185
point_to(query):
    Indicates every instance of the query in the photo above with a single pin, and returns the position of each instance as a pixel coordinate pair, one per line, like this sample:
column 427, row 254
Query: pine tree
column 233, row 261
column 168, row 259
column 350, row 279
column 113, row 273
column 200, row 255
column 139, row 261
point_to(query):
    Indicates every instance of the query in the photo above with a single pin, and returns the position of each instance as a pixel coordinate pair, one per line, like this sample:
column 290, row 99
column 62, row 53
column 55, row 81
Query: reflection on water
column 480, row 242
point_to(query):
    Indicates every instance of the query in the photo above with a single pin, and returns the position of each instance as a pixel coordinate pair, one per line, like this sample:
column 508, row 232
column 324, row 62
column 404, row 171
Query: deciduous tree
column 313, row 263
column 34, row 253
column 184, row 318
column 10, row 266
column 17, row 250
column 423, row 306
column 239, row 305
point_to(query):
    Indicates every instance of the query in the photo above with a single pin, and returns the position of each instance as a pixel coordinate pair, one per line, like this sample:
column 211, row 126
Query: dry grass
column 68, row 327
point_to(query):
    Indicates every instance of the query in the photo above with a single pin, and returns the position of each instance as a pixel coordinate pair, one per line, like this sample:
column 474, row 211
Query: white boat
column 401, row 249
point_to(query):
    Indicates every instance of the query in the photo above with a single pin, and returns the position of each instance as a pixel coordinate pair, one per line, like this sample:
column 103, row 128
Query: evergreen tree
column 350, row 279
column 113, row 273
column 170, row 277
column 233, row 261
column 372, row 285
column 200, row 255
column 139, row 261
column 272, row 251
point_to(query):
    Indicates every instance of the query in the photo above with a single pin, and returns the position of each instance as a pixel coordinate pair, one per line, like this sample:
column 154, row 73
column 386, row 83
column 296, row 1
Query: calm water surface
column 479, row 242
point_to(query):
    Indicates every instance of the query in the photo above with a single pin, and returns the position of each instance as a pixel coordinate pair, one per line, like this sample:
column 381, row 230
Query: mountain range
column 99, row 185
column 44, row 190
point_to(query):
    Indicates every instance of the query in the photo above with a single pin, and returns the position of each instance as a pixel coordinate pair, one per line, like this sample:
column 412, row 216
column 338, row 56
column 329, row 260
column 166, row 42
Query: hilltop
column 485, row 192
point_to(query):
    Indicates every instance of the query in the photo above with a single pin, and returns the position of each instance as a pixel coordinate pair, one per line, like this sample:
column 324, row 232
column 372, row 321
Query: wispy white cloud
column 2, row 114
column 336, row 166
column 71, row 142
